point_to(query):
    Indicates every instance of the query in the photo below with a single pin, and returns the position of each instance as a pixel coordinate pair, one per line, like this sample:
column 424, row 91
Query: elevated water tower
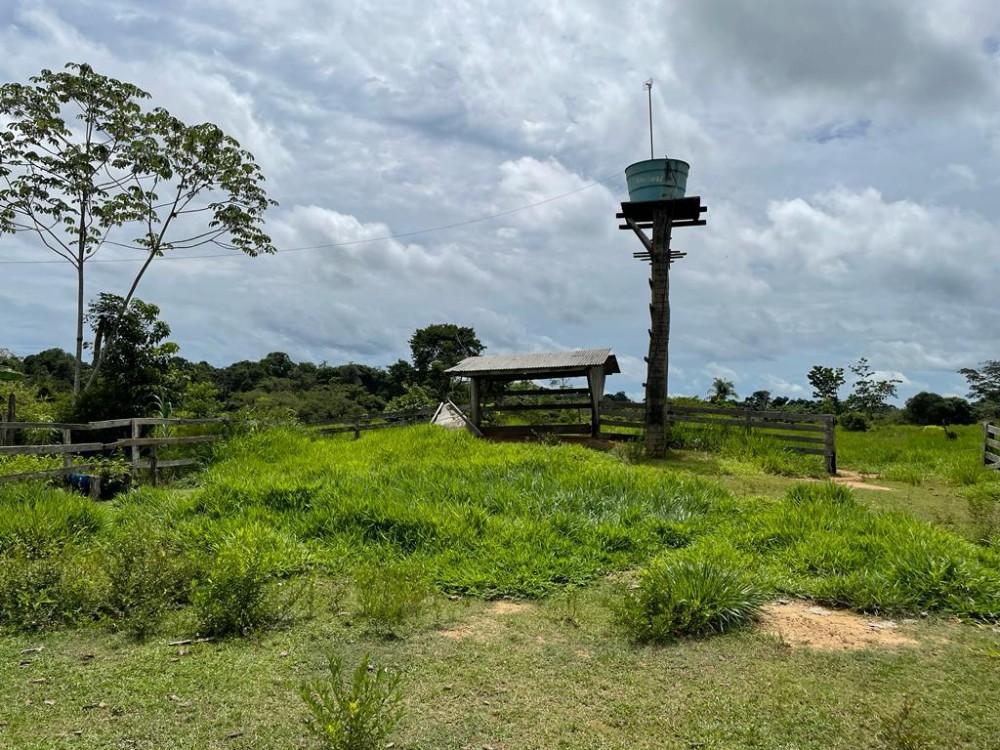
column 657, row 202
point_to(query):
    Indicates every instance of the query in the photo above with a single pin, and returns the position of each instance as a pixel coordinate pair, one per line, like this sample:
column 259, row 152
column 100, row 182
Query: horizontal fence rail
column 810, row 434
column 367, row 422
column 68, row 448
column 991, row 446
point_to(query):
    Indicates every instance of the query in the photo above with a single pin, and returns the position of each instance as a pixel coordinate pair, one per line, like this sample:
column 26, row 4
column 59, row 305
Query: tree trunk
column 657, row 428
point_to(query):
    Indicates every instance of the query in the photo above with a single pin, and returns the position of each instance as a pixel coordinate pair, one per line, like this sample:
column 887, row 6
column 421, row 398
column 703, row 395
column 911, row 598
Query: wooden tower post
column 661, row 216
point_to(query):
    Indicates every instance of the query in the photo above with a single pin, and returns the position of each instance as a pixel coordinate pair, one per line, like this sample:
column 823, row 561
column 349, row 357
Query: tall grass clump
column 688, row 595
column 820, row 542
column 355, row 712
column 48, row 593
column 391, row 594
column 37, row 521
column 743, row 451
column 983, row 501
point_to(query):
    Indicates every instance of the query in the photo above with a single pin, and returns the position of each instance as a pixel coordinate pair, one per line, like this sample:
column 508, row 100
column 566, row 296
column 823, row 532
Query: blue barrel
column 657, row 179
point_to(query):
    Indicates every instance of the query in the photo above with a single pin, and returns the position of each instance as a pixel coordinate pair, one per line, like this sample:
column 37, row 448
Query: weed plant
column 688, row 595
column 357, row 714
column 512, row 520
column 236, row 596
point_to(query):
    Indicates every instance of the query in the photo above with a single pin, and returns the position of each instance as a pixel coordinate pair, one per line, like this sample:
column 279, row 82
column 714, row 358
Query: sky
column 462, row 161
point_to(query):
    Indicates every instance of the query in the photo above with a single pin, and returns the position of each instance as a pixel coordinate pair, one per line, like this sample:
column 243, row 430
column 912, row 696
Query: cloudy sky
column 849, row 153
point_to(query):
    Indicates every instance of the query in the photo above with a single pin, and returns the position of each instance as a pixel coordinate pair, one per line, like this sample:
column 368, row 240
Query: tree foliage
column 722, row 391
column 826, row 383
column 80, row 158
column 984, row 386
column 438, row 347
column 870, row 394
column 933, row 409
column 136, row 358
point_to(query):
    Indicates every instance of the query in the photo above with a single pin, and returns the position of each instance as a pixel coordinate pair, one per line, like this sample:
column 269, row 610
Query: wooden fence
column 811, row 434
column 143, row 448
column 991, row 446
column 377, row 421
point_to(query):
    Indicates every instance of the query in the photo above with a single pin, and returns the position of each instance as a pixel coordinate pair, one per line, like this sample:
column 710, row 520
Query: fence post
column 11, row 414
column 831, row 444
column 67, row 438
column 986, row 445
column 136, row 434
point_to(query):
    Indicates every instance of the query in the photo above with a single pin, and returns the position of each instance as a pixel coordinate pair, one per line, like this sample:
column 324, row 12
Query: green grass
column 915, row 455
column 311, row 546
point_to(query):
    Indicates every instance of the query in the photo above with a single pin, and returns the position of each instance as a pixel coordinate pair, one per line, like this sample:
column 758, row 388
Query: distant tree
column 758, row 400
column 80, row 158
column 984, row 383
column 136, row 359
column 415, row 397
column 984, row 387
column 438, row 347
column 932, row 409
column 722, row 391
column 51, row 371
column 869, row 394
column 826, row 383
column 620, row 396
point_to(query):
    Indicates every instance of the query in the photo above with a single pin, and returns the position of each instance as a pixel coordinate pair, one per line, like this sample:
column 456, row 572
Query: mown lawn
column 291, row 548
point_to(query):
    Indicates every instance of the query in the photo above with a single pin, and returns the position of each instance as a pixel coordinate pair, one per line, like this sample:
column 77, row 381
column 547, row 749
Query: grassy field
column 491, row 578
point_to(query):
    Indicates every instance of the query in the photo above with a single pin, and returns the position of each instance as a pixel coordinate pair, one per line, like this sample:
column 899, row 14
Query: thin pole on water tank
column 649, row 91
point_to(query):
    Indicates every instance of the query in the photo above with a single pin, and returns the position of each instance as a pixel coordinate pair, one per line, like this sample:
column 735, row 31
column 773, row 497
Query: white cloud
column 846, row 153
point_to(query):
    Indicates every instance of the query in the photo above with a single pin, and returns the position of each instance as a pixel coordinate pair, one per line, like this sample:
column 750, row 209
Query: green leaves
column 80, row 157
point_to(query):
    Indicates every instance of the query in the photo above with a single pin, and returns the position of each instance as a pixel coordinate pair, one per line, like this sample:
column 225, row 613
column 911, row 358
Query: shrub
column 147, row 573
column 49, row 593
column 236, row 596
column 855, row 421
column 687, row 596
column 355, row 716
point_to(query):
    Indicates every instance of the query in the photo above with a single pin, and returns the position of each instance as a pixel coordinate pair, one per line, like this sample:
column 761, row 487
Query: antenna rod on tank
column 649, row 91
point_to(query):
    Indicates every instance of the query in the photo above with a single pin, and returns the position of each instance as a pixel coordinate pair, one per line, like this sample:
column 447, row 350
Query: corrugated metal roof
column 579, row 359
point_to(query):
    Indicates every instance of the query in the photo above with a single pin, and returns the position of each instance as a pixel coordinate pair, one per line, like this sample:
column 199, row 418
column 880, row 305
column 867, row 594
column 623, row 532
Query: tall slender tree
column 80, row 157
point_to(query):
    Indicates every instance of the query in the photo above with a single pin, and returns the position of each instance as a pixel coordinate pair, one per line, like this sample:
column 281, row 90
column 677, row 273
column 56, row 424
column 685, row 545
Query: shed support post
column 595, row 382
column 474, row 397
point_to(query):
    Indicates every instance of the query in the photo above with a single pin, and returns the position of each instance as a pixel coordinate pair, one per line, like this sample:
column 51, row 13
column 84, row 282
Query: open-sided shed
column 593, row 364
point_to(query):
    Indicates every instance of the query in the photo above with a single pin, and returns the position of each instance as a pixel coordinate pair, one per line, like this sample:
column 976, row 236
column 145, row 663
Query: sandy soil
column 804, row 624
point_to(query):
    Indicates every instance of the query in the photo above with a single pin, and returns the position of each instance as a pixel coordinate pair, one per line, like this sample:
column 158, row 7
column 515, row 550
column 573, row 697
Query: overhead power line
column 399, row 236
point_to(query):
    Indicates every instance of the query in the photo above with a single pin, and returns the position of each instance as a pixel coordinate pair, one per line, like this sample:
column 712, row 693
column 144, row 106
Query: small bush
column 390, row 595
column 49, row 593
column 147, row 574
column 629, row 451
column 355, row 716
column 236, row 595
column 855, row 421
column 687, row 596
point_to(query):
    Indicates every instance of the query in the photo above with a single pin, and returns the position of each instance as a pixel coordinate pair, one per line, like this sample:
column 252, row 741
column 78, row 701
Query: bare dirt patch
column 488, row 623
column 858, row 481
column 804, row 624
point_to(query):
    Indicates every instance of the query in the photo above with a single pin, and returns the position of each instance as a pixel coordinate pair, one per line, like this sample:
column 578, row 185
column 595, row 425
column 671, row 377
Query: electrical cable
column 401, row 235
